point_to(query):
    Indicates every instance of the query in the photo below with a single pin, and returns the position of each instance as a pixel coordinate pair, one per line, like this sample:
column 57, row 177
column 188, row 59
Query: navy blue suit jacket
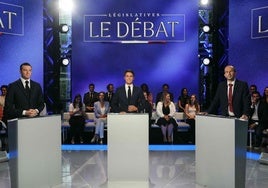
column 120, row 101
column 241, row 99
column 17, row 99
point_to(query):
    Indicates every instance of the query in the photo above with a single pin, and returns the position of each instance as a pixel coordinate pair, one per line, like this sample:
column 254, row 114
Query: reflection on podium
column 35, row 151
column 221, row 151
column 128, row 151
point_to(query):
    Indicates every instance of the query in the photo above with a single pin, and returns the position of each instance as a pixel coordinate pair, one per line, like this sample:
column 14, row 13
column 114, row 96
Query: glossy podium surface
column 128, row 152
column 221, row 151
column 35, row 151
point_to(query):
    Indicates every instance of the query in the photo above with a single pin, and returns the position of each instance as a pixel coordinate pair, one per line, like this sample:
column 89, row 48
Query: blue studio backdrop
column 157, row 39
column 21, row 38
column 248, row 41
column 165, row 35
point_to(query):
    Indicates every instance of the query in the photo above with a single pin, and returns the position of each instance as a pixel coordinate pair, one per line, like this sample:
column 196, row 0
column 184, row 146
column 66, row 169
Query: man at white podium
column 232, row 96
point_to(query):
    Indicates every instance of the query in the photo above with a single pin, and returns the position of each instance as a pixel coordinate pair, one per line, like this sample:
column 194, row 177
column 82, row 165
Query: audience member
column 253, row 121
column 252, row 88
column 128, row 98
column 183, row 99
column 165, row 89
column 191, row 109
column 150, row 98
column 147, row 107
column 263, row 119
column 265, row 95
column 90, row 97
column 24, row 97
column 232, row 96
column 3, row 128
column 165, row 110
column 110, row 93
column 101, row 109
column 2, row 100
column 77, row 119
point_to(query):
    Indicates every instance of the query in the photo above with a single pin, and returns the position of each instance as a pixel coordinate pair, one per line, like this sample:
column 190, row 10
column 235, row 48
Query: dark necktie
column 129, row 94
column 109, row 96
column 230, row 97
column 27, row 88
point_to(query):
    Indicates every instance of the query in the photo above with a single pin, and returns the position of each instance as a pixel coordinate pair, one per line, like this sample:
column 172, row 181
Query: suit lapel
column 21, row 87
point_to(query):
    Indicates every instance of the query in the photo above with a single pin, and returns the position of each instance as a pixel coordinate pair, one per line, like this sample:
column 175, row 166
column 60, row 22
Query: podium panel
column 35, row 151
column 220, row 152
column 128, row 152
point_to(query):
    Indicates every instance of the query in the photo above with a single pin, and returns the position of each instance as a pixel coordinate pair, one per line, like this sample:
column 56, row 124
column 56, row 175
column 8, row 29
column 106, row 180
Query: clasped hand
column 31, row 113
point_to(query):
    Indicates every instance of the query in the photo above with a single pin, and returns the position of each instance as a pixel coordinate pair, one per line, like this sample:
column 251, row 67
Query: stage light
column 64, row 28
column 206, row 61
column 206, row 28
column 204, row 2
column 66, row 5
column 65, row 61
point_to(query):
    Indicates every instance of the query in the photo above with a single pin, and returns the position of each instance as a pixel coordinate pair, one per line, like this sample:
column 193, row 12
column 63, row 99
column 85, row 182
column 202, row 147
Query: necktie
column 109, row 96
column 230, row 97
column 129, row 94
column 27, row 88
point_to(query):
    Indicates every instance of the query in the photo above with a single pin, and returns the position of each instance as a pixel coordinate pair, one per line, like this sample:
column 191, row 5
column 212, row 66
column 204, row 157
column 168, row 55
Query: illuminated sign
column 11, row 19
column 134, row 27
column 259, row 22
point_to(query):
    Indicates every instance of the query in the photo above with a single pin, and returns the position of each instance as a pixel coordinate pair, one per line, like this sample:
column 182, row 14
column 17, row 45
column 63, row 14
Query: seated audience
column 265, row 95
column 149, row 94
column 90, row 97
column 263, row 119
column 165, row 110
column 2, row 100
column 183, row 99
column 253, row 121
column 165, row 89
column 191, row 109
column 147, row 107
column 101, row 109
column 77, row 119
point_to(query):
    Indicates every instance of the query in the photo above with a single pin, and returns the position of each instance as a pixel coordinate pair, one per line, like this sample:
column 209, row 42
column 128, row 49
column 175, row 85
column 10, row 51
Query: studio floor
column 170, row 166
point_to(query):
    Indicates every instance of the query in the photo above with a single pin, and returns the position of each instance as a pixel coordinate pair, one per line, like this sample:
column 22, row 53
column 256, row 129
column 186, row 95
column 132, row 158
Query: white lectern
column 35, row 151
column 128, row 152
column 220, row 151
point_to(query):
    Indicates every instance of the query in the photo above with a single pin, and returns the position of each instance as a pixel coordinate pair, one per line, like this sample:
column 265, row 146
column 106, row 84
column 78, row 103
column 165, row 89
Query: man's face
column 229, row 73
column 26, row 72
column 129, row 78
column 111, row 88
column 91, row 88
column 255, row 97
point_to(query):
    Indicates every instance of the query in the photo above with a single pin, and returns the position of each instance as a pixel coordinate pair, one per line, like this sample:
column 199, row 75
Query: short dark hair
column 3, row 86
column 129, row 70
column 91, row 84
column 25, row 64
column 107, row 87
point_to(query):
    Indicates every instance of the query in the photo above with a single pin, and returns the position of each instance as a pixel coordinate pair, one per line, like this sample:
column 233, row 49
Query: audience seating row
column 90, row 123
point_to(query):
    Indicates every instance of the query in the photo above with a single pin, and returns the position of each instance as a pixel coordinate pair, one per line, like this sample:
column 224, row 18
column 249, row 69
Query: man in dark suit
column 90, row 97
column 232, row 96
column 128, row 98
column 110, row 93
column 24, row 97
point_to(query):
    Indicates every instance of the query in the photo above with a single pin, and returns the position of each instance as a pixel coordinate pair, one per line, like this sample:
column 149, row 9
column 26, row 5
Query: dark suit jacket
column 17, row 99
column 106, row 97
column 88, row 101
column 120, row 101
column 241, row 99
